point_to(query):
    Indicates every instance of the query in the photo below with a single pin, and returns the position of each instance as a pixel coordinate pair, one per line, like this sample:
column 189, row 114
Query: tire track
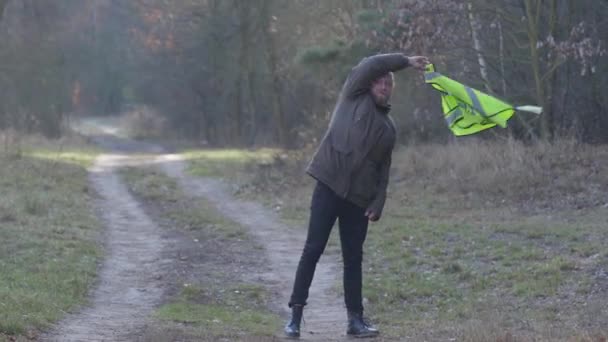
column 325, row 316
column 129, row 284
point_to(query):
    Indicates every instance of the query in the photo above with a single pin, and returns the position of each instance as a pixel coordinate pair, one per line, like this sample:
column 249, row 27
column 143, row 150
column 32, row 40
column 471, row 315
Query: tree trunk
column 2, row 6
column 477, row 45
column 244, row 86
column 280, row 123
column 501, row 55
column 253, row 127
column 533, row 8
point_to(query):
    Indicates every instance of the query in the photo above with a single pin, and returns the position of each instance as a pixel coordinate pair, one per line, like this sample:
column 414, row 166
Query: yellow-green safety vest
column 467, row 110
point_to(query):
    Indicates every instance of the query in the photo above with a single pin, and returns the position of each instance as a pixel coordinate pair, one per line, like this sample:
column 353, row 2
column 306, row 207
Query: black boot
column 357, row 327
column 292, row 329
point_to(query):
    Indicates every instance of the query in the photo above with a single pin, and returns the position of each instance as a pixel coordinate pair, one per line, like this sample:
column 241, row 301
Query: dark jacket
column 354, row 156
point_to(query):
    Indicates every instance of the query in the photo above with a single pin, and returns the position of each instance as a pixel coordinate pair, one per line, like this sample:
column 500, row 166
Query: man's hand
column 372, row 216
column 418, row 62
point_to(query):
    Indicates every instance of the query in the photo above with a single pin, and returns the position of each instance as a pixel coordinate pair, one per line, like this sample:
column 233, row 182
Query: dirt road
column 325, row 315
column 130, row 283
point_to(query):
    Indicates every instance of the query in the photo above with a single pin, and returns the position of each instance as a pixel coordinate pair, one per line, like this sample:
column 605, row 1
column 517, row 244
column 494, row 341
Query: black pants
column 325, row 208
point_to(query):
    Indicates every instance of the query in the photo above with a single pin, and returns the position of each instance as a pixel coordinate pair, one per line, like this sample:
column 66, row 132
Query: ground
column 203, row 244
column 185, row 253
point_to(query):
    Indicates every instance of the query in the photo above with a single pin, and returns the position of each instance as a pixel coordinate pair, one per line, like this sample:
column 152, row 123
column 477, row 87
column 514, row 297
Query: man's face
column 382, row 89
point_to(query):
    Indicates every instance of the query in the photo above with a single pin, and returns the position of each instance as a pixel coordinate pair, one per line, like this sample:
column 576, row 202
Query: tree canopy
column 267, row 72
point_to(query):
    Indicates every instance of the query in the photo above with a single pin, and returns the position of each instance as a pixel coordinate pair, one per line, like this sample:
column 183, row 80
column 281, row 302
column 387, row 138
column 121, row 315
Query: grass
column 481, row 231
column 193, row 215
column 219, row 305
column 481, row 172
column 233, row 314
column 442, row 268
column 82, row 157
column 48, row 234
column 151, row 184
column 227, row 163
column 485, row 230
column 256, row 172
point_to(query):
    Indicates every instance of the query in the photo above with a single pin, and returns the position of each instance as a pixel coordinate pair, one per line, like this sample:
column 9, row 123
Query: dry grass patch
column 478, row 227
column 563, row 174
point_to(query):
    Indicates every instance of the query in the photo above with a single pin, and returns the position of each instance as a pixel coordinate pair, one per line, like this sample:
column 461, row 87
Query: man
column 351, row 166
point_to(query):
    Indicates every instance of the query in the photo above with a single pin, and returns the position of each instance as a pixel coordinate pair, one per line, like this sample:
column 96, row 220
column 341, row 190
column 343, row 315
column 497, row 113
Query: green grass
column 226, row 163
column 453, row 271
column 430, row 262
column 220, row 305
column 83, row 157
column 197, row 215
column 151, row 184
column 48, row 236
column 232, row 314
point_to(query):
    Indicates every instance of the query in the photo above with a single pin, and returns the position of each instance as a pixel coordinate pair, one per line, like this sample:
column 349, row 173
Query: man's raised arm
column 370, row 69
column 373, row 67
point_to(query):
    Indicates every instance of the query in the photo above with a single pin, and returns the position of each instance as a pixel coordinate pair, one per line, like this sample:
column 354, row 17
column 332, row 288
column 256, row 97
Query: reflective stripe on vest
column 467, row 110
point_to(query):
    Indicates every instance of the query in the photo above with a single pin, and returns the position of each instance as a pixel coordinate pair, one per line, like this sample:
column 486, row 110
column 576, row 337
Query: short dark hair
column 390, row 73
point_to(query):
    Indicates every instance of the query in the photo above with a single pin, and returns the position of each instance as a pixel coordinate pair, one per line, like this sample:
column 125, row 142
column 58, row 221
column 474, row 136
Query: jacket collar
column 384, row 108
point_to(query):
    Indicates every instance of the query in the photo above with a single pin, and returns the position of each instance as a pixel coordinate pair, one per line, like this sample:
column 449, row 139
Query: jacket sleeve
column 370, row 69
column 377, row 204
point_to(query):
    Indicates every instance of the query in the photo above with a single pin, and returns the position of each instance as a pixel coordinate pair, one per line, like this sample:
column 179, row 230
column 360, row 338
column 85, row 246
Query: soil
column 325, row 315
column 145, row 259
column 130, row 281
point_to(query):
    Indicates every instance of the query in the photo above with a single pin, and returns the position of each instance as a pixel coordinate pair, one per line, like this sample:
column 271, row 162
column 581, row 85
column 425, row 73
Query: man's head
column 382, row 89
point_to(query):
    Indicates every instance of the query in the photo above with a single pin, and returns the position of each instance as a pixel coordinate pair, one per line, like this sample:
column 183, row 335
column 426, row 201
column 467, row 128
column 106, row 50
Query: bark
column 533, row 8
column 501, row 56
column 281, row 129
column 242, row 70
column 483, row 70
